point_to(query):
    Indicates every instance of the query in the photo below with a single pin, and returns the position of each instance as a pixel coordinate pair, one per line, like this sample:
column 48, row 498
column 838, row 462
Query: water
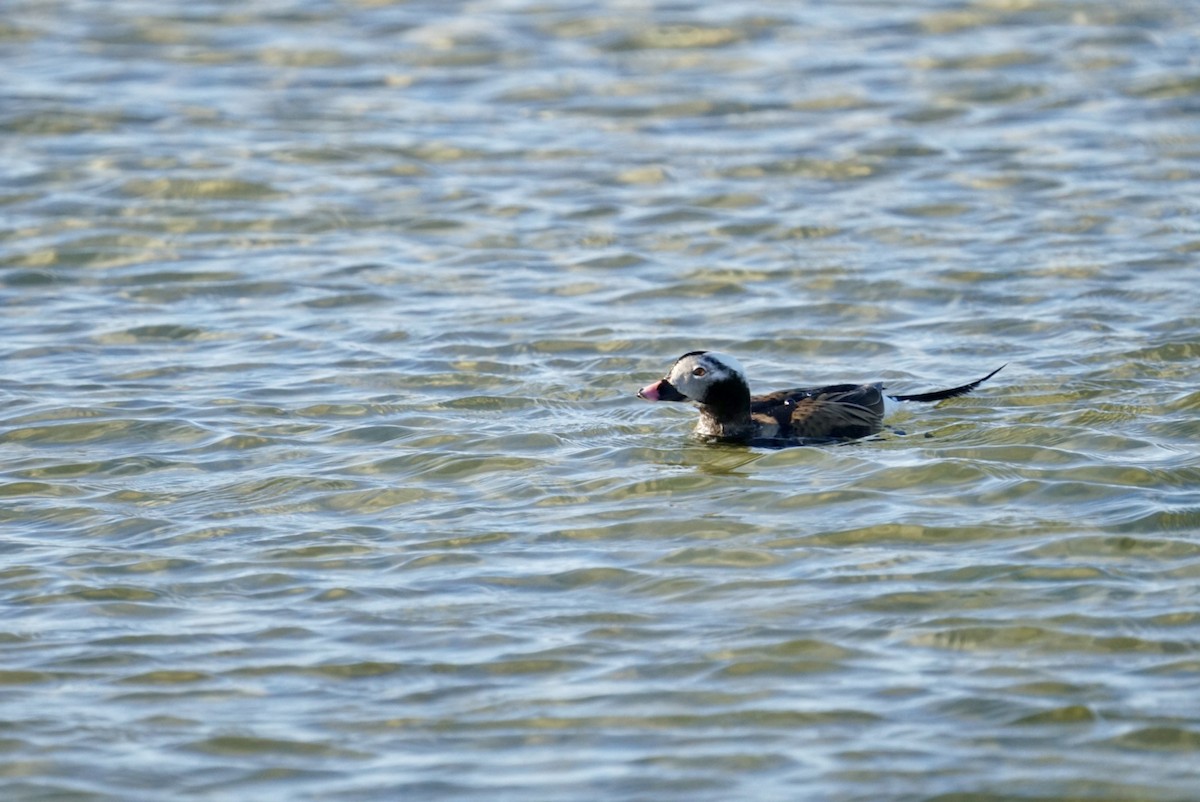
column 323, row 475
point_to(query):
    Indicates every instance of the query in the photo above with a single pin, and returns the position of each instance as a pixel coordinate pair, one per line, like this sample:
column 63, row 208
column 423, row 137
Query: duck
column 729, row 413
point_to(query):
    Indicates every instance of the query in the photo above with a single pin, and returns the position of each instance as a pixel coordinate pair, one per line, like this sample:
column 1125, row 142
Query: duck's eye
column 698, row 372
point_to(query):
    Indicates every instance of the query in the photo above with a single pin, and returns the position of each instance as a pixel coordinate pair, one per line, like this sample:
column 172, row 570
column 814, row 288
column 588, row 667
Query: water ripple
column 324, row 477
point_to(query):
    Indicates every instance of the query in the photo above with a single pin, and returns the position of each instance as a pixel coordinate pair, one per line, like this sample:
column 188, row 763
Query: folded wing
column 840, row 411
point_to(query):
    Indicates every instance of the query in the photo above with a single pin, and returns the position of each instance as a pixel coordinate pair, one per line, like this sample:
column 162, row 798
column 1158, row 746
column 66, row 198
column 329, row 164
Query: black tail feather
column 953, row 392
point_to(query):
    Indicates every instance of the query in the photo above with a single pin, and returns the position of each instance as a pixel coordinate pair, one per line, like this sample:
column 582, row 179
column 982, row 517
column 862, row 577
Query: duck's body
column 728, row 412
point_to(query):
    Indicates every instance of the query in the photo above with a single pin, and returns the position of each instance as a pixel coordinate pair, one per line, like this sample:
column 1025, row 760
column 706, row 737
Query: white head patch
column 694, row 373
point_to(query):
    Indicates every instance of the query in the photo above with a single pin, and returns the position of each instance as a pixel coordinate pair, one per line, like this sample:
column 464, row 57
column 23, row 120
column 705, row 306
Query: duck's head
column 705, row 377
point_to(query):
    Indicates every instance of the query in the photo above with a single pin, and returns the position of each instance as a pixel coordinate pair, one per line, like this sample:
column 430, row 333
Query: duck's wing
column 840, row 411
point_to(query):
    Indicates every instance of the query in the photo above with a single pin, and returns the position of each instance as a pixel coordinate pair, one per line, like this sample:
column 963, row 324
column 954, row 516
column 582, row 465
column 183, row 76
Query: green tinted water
column 323, row 476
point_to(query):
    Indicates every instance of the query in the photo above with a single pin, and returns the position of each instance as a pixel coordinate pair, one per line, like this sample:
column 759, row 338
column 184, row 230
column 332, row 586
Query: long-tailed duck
column 729, row 413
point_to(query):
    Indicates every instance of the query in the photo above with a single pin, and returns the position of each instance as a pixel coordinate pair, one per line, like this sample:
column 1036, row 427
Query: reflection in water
column 323, row 475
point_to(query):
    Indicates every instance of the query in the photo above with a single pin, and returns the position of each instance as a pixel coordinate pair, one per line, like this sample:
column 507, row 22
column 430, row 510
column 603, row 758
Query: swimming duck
column 729, row 413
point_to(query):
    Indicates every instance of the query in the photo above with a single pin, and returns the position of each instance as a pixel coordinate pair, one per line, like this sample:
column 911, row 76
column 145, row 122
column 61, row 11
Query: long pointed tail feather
column 953, row 392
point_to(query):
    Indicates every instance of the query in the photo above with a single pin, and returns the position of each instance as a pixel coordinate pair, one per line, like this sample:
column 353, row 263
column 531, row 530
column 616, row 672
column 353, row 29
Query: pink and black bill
column 661, row 390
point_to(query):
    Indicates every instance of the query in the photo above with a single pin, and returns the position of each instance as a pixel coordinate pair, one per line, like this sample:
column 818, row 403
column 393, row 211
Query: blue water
column 323, row 475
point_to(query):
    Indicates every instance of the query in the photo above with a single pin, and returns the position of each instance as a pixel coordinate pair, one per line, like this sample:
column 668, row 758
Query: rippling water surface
column 322, row 472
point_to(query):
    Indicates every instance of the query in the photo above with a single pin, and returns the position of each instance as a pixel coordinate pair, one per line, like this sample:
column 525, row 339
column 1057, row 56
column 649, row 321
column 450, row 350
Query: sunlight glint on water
column 323, row 473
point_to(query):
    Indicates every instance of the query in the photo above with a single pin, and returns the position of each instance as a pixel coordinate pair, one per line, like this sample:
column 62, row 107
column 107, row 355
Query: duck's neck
column 725, row 411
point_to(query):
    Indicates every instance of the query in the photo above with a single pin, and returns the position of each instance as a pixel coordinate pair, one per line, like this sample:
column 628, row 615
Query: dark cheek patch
column 727, row 394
